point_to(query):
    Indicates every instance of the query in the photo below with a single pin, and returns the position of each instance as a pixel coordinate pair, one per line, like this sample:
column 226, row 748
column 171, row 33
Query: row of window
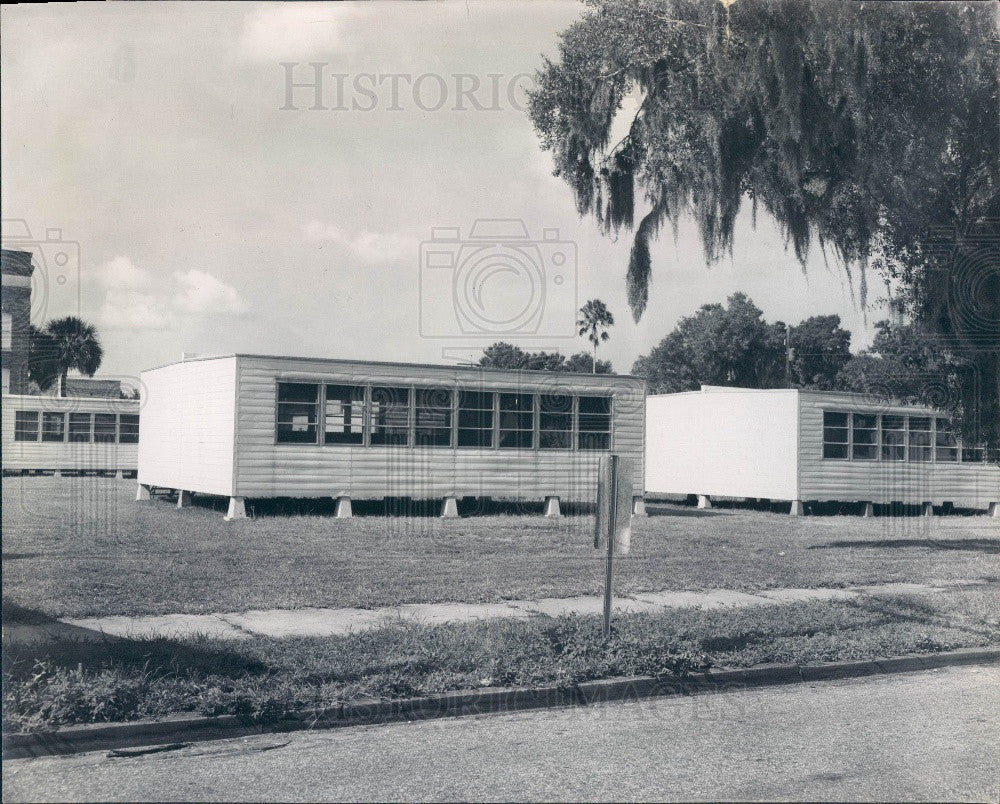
column 892, row 437
column 378, row 415
column 99, row 428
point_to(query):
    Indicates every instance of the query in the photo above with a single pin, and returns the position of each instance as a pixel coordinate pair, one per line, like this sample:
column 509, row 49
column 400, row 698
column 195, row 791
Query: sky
column 180, row 195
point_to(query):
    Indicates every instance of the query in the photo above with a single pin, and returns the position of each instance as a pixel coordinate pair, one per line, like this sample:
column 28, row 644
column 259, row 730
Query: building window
column 893, row 438
column 26, row 425
column 7, row 336
column 80, row 427
column 594, row 422
column 836, row 435
column 128, row 428
column 475, row 419
column 298, row 413
column 105, row 428
column 53, row 427
column 945, row 443
column 344, row 414
column 973, row 454
column 390, row 416
column 517, row 421
column 921, row 446
column 432, row 417
column 555, row 421
column 864, row 436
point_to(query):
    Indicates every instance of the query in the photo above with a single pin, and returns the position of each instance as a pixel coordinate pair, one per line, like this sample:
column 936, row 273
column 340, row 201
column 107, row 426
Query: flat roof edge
column 395, row 363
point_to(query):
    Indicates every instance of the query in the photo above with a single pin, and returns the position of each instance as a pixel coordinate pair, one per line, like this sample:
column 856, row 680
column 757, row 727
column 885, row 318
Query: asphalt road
column 921, row 736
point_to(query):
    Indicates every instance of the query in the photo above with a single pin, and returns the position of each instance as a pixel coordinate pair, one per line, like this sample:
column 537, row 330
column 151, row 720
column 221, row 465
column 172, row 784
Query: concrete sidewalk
column 318, row 622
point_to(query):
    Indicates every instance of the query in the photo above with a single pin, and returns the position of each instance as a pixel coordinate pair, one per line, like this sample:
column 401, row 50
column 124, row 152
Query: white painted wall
column 723, row 442
column 187, row 426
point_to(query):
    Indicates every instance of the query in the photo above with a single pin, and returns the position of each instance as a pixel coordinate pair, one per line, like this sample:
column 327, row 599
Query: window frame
column 501, row 430
column 114, row 432
column 962, row 453
column 317, row 409
column 571, row 414
column 121, row 416
column 493, row 414
column 455, row 410
column 410, row 396
column 69, row 428
column 450, row 418
column 876, row 431
column 19, row 429
column 610, row 416
column 846, row 444
column 64, row 429
column 364, row 402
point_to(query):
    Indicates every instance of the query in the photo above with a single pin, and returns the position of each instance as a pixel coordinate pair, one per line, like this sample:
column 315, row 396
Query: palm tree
column 76, row 347
column 593, row 322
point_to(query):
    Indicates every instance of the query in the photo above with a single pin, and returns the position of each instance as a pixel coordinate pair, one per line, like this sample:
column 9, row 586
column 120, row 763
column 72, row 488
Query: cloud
column 128, row 309
column 200, row 292
column 368, row 246
column 293, row 32
column 119, row 273
column 127, row 303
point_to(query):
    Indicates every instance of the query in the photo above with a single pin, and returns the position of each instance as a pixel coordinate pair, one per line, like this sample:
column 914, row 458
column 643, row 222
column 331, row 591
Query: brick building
column 16, row 302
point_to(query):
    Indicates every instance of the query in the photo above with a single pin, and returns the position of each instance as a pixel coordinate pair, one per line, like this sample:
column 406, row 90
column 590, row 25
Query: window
column 893, row 438
column 836, row 434
column 920, row 438
column 390, row 416
column 128, row 428
column 517, row 421
column 344, row 415
column 53, row 427
column 973, row 455
column 26, row 425
column 475, row 419
column 432, row 417
column 945, row 443
column 298, row 409
column 105, row 427
column 594, row 422
column 864, row 436
column 555, row 421
column 7, row 335
column 80, row 427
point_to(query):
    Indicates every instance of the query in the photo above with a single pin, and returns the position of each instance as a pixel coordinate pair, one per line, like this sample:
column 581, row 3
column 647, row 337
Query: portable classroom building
column 259, row 426
column 799, row 446
column 69, row 435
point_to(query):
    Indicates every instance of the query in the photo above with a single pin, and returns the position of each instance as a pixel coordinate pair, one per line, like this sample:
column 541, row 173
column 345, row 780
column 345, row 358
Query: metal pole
column 613, row 514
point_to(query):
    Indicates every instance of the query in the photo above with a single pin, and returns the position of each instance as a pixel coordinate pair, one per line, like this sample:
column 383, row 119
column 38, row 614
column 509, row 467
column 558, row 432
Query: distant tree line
column 733, row 345
column 502, row 355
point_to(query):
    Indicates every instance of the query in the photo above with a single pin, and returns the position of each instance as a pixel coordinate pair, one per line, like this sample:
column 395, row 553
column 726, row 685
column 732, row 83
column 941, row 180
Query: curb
column 196, row 728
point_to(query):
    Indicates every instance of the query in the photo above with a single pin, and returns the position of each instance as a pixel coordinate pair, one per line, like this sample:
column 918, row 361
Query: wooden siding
column 47, row 455
column 969, row 485
column 186, row 431
column 723, row 442
column 267, row 469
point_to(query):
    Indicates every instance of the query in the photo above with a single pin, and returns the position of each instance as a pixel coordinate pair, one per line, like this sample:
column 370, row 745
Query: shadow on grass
column 381, row 508
column 991, row 546
column 74, row 647
column 655, row 509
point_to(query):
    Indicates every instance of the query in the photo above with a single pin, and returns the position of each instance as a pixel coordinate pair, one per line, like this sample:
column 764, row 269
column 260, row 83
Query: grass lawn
column 264, row 678
column 83, row 547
